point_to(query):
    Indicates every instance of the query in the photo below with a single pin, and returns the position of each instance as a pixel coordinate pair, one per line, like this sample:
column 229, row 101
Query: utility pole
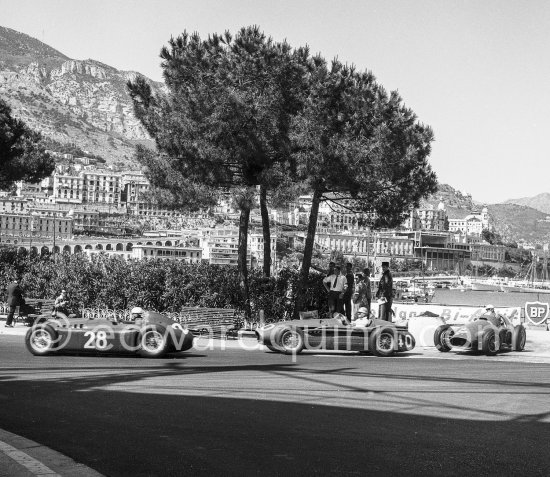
column 53, row 251
column 368, row 246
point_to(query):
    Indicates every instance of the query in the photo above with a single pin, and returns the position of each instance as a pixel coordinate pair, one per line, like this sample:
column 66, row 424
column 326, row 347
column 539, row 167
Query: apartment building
column 183, row 254
column 69, row 189
column 39, row 226
column 102, row 186
column 14, row 205
column 469, row 223
column 427, row 218
column 133, row 190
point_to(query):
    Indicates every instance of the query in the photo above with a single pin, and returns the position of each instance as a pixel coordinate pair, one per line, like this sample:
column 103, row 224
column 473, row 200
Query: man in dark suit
column 385, row 290
column 15, row 298
column 350, row 289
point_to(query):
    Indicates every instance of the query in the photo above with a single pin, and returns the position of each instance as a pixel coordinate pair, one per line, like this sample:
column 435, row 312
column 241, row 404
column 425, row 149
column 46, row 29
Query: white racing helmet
column 137, row 310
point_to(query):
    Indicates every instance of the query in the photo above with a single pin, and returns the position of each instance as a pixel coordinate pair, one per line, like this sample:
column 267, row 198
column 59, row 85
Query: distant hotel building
column 468, row 223
column 184, row 254
column 16, row 228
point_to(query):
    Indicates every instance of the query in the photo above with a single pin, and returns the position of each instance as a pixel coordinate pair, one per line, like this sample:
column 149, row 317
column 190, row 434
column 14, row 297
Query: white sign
column 537, row 312
column 451, row 314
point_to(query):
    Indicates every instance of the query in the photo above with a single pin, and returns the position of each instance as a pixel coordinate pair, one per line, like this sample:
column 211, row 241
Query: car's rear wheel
column 489, row 343
column 519, row 337
column 153, row 342
column 442, row 338
column 291, row 341
column 383, row 341
column 41, row 340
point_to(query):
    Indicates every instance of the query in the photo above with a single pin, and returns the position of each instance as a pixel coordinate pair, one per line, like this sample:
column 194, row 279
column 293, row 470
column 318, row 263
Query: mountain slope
column 540, row 202
column 515, row 222
column 71, row 101
column 451, row 197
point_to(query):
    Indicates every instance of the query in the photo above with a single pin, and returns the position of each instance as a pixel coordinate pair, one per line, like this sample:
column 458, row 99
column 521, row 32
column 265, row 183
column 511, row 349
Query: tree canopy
column 245, row 111
column 22, row 155
column 224, row 119
column 360, row 147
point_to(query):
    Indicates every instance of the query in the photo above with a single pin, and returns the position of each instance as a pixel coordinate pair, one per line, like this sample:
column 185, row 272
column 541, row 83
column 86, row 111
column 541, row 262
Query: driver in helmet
column 137, row 313
column 492, row 317
column 362, row 317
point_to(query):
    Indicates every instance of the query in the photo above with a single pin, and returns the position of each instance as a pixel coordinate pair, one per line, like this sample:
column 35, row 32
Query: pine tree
column 361, row 148
column 22, row 155
column 224, row 121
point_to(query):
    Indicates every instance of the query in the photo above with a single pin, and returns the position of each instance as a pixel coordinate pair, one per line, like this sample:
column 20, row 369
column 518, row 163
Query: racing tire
column 271, row 348
column 290, row 341
column 41, row 340
column 442, row 336
column 153, row 342
column 489, row 343
column 383, row 342
column 519, row 337
column 413, row 342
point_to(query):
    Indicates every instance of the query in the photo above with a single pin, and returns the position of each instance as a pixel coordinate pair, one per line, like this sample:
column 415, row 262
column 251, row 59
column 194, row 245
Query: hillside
column 540, row 202
column 71, row 101
column 451, row 197
column 514, row 222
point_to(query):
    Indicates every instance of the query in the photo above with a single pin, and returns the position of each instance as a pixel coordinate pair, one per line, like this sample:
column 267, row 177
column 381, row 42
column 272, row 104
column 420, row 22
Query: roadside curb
column 21, row 456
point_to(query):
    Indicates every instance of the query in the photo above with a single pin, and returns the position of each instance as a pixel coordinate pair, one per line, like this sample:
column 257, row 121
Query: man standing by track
column 15, row 299
column 385, row 290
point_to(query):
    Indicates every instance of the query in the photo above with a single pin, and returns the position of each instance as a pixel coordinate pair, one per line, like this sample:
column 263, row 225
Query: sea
column 445, row 296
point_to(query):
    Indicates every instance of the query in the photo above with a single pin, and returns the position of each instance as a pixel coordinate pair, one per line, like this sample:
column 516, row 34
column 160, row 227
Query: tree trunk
column 266, row 231
column 308, row 253
column 243, row 265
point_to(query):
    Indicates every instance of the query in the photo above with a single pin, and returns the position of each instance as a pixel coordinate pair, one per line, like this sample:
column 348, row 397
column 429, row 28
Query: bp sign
column 537, row 312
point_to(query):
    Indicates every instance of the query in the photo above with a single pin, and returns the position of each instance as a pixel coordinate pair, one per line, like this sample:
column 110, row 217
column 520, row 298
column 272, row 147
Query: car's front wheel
column 40, row 340
column 291, row 341
column 153, row 342
column 519, row 337
column 442, row 338
column 489, row 343
column 383, row 341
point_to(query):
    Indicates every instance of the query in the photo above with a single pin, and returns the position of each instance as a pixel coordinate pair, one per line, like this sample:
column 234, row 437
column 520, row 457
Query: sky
column 476, row 71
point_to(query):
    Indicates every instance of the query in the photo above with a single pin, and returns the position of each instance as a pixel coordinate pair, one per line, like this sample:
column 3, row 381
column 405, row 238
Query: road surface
column 247, row 412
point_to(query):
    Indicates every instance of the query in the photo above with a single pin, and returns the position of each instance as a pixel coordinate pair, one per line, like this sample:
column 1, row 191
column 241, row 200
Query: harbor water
column 445, row 296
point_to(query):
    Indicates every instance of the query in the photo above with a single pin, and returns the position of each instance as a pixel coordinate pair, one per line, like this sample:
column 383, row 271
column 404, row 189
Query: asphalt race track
column 248, row 412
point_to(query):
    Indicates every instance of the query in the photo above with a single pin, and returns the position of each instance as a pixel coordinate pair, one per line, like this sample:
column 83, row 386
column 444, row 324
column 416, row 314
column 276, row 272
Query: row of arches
column 82, row 247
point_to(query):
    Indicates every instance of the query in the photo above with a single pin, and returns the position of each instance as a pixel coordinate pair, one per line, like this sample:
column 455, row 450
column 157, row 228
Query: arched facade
column 74, row 248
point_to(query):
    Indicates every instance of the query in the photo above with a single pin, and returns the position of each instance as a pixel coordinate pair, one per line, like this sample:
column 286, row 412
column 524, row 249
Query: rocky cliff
column 72, row 101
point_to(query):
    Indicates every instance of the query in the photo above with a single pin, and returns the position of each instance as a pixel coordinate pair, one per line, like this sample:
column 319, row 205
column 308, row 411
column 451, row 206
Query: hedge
column 101, row 281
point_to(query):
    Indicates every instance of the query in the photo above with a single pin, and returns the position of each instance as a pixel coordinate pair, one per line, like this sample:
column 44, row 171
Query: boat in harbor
column 491, row 284
column 512, row 287
column 532, row 283
column 535, row 289
column 414, row 291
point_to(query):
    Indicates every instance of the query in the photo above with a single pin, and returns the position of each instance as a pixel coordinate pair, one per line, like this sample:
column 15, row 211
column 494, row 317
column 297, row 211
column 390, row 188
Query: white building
column 183, row 254
column 469, row 223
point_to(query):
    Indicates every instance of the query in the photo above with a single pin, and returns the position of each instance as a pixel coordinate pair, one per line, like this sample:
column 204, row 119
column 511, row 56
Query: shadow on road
column 147, row 433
